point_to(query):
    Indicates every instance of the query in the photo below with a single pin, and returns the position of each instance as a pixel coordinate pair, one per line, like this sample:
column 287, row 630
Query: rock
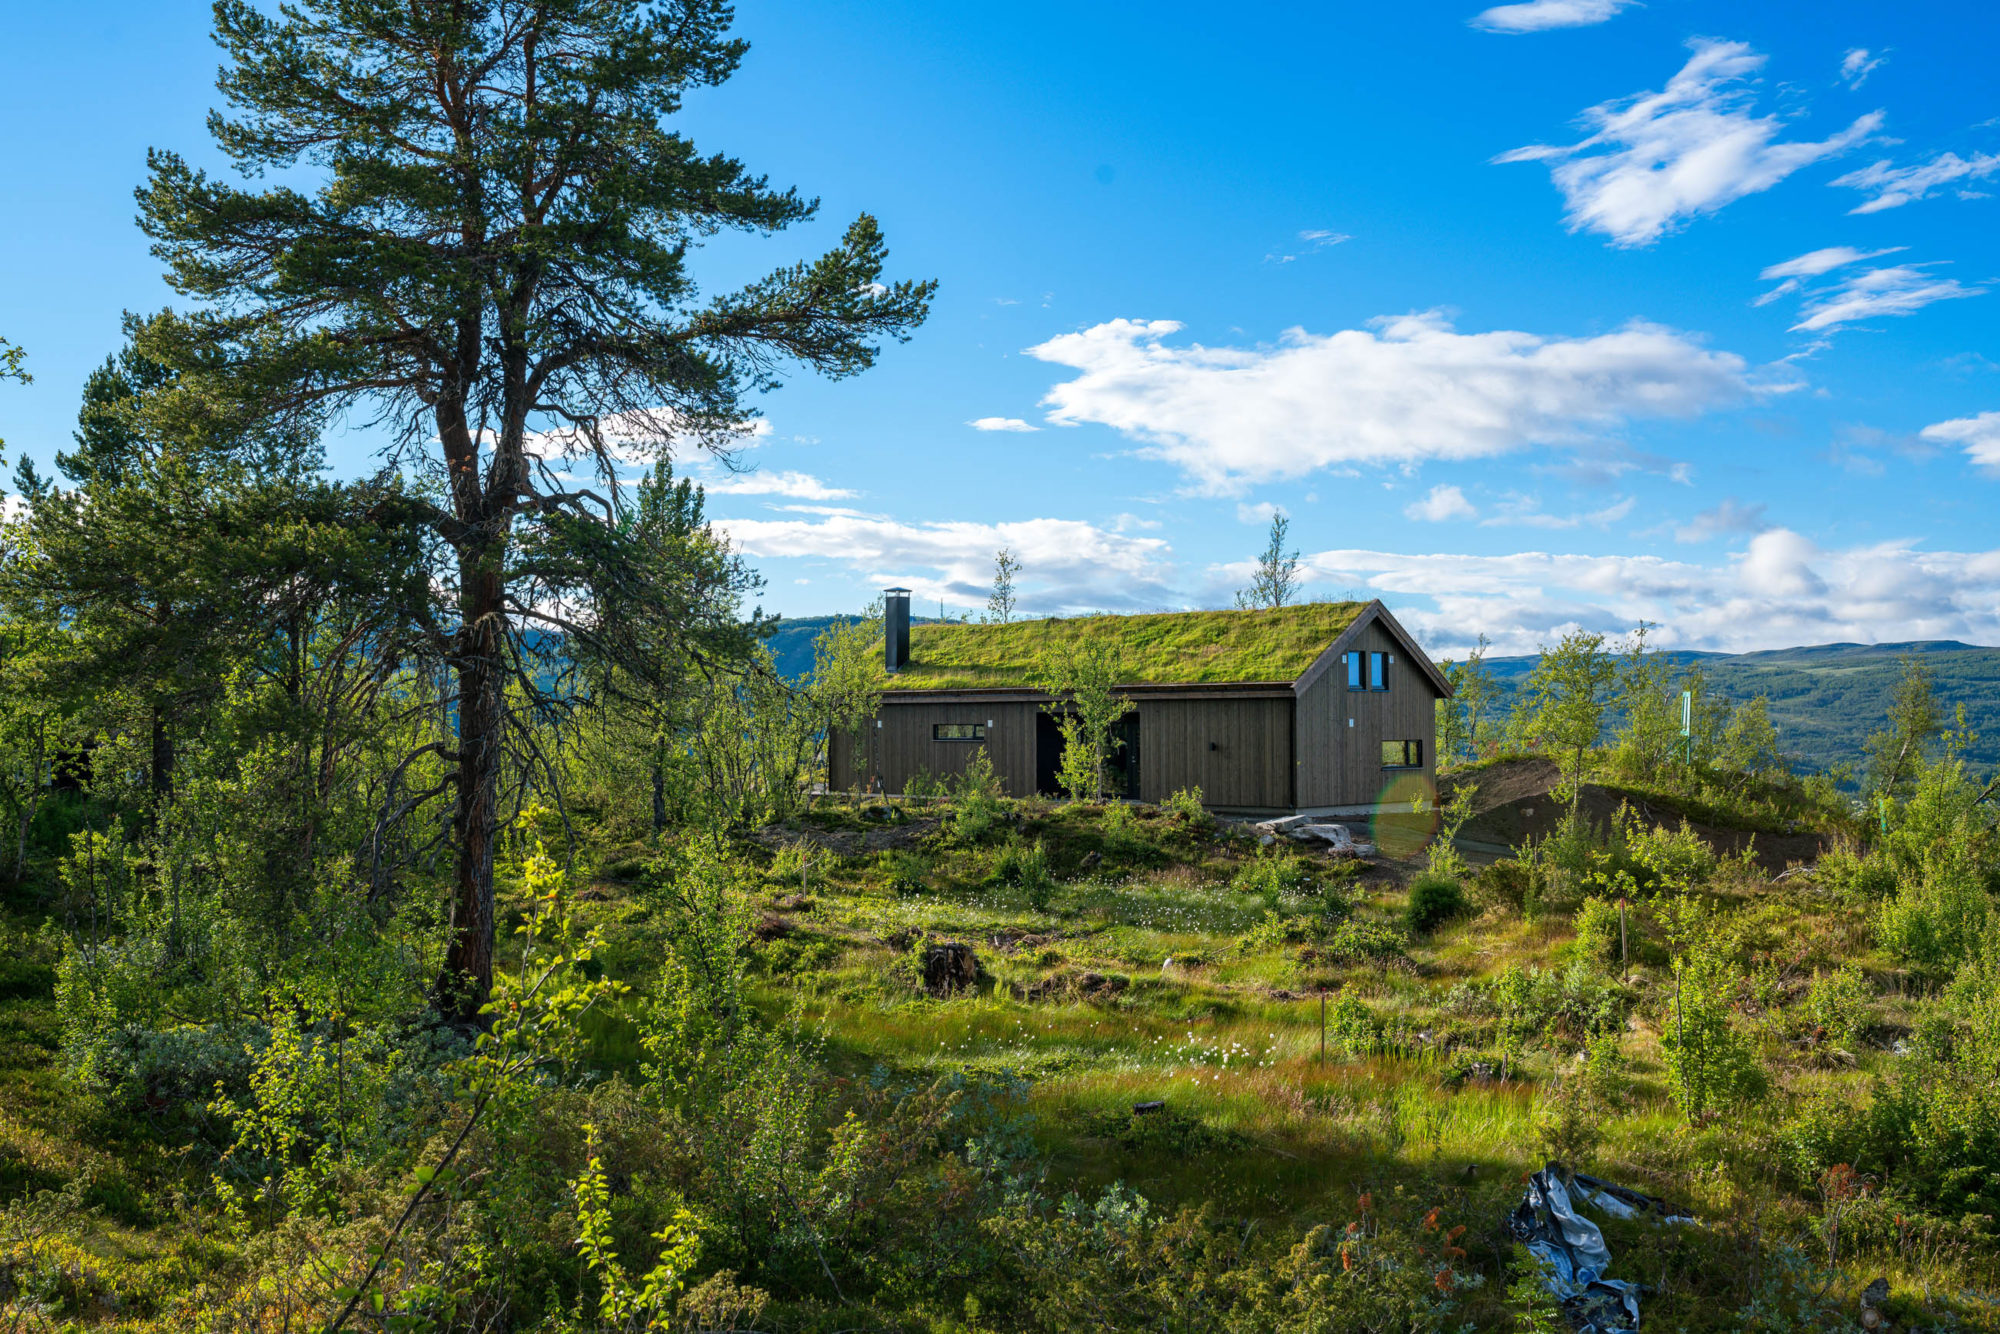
column 1283, row 825
column 1148, row 1108
column 1267, row 840
column 1167, row 964
column 950, row 966
column 793, row 903
column 771, row 927
column 1091, row 861
column 1335, row 836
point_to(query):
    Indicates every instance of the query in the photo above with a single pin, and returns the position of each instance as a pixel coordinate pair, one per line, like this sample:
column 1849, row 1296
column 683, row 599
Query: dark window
column 1402, row 754
column 958, row 731
column 1378, row 672
column 1354, row 671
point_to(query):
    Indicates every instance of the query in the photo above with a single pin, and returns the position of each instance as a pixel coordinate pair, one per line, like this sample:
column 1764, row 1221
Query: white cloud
column 796, row 485
column 1728, row 518
column 1541, row 15
column 1980, row 435
column 1067, row 565
column 11, row 508
column 1443, row 504
column 1260, row 513
column 1656, row 159
column 1901, row 289
column 1892, row 187
column 1316, row 239
column 1857, row 65
column 1408, row 389
column 1000, row 424
column 636, row 439
column 1521, row 511
column 1811, row 265
column 1780, row 590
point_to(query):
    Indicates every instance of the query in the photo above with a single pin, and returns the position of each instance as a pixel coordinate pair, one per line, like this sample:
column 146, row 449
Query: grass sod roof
column 1163, row 648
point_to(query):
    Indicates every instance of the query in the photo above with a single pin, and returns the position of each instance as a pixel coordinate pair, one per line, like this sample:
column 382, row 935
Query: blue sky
column 1570, row 314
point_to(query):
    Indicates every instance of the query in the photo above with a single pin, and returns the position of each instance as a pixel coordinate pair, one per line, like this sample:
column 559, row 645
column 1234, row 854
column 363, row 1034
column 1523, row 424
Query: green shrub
column 1026, row 867
column 1838, row 1003
column 906, row 872
column 1519, row 886
column 1434, row 900
column 1358, row 942
column 1185, row 806
column 1350, row 1025
column 1856, row 876
column 1597, row 932
column 1272, row 875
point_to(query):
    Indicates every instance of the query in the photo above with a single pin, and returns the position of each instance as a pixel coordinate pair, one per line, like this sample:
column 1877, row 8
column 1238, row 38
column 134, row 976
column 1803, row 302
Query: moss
column 1161, row 647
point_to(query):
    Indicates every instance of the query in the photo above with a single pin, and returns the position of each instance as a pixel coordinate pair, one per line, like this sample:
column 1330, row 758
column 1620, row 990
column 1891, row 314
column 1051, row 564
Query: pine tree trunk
column 468, row 966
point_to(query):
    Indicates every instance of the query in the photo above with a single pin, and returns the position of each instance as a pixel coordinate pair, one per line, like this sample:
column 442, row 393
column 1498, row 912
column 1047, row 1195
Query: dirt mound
column 1515, row 801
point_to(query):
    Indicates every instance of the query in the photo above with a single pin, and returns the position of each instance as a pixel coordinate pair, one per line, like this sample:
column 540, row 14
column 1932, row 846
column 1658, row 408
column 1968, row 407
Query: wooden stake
column 1322, row 1027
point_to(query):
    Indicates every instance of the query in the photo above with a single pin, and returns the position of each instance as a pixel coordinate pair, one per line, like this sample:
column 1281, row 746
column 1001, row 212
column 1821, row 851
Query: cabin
column 1325, row 708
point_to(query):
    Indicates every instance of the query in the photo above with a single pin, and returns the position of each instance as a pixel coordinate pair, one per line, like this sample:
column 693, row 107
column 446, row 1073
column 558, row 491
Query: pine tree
column 483, row 247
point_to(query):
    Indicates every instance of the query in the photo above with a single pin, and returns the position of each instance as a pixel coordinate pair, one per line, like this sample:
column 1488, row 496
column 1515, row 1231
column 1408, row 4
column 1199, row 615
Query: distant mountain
column 1826, row 699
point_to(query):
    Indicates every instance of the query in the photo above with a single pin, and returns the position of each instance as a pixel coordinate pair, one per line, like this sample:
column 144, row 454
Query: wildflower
column 1431, row 1220
column 1443, row 1280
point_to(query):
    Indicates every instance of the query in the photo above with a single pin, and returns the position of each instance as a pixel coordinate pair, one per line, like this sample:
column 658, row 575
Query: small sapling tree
column 1087, row 706
column 1276, row 581
column 1000, row 606
column 1566, row 698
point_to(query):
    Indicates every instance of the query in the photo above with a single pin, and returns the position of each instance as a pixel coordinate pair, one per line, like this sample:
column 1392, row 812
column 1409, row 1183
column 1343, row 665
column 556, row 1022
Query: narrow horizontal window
column 958, row 731
column 1354, row 671
column 1402, row 754
column 1378, row 674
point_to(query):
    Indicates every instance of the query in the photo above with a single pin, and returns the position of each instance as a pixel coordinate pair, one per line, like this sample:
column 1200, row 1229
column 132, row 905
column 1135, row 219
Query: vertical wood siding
column 1339, row 765
column 902, row 747
column 1237, row 751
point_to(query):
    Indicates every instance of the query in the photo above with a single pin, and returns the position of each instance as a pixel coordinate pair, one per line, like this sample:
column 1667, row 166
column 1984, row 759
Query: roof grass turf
column 1166, row 648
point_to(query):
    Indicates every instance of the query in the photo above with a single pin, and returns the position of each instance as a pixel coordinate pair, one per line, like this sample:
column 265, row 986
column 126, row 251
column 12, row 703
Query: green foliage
column 1897, row 753
column 1838, row 1003
column 1177, row 646
column 1275, row 581
column 1464, row 721
column 1565, row 702
column 1000, row 605
column 1599, row 928
column 1025, row 866
column 1434, row 900
column 1710, row 1065
column 977, row 807
column 1184, row 805
column 1084, row 681
column 651, row 1302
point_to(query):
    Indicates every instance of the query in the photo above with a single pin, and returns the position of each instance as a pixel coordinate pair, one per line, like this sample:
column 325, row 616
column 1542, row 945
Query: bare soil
column 1516, row 801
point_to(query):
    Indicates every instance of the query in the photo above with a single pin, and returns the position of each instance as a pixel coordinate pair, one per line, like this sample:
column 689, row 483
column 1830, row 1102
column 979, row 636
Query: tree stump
column 950, row 966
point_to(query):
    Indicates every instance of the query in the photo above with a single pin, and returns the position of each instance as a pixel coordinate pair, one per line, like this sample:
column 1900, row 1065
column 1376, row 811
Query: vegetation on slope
column 1270, row 644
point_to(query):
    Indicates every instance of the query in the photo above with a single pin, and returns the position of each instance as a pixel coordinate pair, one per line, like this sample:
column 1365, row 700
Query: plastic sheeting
column 1571, row 1248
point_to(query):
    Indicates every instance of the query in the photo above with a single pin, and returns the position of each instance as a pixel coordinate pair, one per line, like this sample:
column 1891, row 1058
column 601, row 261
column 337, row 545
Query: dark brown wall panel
column 1340, row 764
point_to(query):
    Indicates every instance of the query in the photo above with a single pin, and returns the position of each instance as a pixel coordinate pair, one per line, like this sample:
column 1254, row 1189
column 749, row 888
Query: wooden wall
column 1237, row 751
column 1341, row 765
column 902, row 747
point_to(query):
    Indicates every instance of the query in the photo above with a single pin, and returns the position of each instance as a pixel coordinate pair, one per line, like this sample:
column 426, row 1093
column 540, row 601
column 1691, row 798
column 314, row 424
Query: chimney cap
column 895, row 590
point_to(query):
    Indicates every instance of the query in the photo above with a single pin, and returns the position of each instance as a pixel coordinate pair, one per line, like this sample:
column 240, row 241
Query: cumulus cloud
column 1857, row 65
column 1541, row 15
column 1000, row 424
column 1902, row 289
column 636, row 439
column 1979, row 435
column 1067, row 565
column 1443, row 504
column 1780, row 590
column 1407, row 389
column 794, row 485
column 1893, row 187
column 1727, row 519
column 1656, row 159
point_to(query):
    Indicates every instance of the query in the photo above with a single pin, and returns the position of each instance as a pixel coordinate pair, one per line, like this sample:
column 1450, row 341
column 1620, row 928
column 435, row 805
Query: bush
column 1856, row 876
column 1026, row 867
column 1434, row 900
column 907, row 872
column 1597, row 932
column 1270, row 876
column 1356, row 942
column 1838, row 1004
column 1520, row 886
column 1185, row 806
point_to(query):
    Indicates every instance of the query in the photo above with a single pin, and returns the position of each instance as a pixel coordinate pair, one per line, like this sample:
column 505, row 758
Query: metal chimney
column 896, row 628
